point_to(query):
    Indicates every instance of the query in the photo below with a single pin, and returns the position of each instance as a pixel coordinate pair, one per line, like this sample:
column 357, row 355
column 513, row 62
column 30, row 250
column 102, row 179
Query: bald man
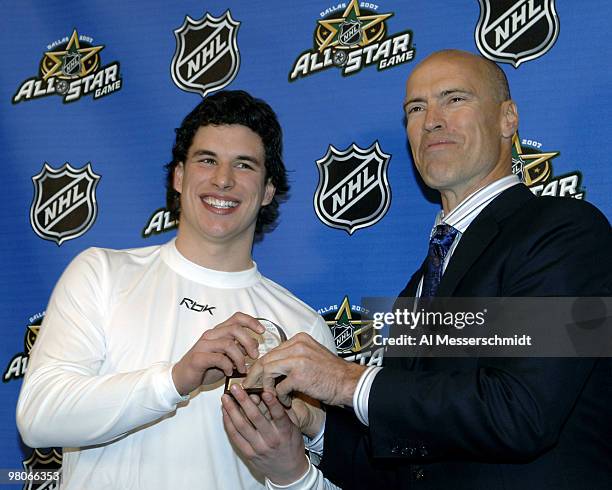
column 469, row 423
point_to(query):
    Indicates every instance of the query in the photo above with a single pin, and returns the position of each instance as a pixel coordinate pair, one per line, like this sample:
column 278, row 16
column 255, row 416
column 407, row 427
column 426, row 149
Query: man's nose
column 434, row 118
column 223, row 176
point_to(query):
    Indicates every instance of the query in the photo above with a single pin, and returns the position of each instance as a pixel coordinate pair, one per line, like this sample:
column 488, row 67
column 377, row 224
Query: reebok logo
column 195, row 306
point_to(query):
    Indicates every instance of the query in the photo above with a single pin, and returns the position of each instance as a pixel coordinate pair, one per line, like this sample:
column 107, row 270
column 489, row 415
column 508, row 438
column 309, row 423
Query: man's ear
column 177, row 178
column 509, row 119
column 269, row 192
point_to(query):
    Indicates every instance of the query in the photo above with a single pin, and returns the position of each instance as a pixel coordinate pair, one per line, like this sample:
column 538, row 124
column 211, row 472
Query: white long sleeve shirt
column 99, row 377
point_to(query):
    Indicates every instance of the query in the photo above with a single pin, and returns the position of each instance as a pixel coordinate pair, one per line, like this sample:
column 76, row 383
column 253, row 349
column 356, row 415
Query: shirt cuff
column 307, row 481
column 165, row 388
column 362, row 394
column 315, row 445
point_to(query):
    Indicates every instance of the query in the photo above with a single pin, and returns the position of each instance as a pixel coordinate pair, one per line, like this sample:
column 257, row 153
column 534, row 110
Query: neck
column 451, row 198
column 216, row 256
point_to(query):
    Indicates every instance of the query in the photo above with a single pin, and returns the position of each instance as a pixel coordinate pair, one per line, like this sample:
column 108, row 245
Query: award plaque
column 272, row 337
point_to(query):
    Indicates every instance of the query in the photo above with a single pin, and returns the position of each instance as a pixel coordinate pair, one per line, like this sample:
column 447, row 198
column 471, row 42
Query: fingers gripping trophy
column 272, row 337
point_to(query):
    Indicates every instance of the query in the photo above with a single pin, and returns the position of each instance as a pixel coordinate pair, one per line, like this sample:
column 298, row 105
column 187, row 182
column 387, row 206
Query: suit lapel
column 479, row 235
column 411, row 288
column 473, row 243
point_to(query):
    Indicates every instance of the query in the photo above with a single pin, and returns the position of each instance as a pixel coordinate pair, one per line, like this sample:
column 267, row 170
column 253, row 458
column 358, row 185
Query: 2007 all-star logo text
column 71, row 67
column 352, row 40
column 535, row 169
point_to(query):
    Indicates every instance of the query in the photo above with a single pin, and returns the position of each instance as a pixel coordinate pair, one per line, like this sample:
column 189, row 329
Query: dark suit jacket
column 494, row 423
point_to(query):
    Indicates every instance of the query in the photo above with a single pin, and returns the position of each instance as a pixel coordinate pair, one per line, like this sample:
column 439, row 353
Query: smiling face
column 459, row 130
column 222, row 185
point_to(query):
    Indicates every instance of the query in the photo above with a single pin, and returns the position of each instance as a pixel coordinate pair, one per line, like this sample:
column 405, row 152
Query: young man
column 129, row 367
column 469, row 423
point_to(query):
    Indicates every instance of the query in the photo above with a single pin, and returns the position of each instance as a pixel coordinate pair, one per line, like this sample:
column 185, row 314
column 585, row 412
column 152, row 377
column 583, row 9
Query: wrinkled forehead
column 445, row 71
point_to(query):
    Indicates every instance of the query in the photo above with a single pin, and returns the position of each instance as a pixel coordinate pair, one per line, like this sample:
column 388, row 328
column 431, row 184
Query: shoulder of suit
column 548, row 209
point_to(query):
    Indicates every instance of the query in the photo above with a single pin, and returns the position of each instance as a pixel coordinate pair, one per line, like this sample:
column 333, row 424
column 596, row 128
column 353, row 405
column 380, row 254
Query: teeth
column 219, row 203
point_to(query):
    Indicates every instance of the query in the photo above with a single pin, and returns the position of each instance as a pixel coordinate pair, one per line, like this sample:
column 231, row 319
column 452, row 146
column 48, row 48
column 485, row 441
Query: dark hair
column 233, row 107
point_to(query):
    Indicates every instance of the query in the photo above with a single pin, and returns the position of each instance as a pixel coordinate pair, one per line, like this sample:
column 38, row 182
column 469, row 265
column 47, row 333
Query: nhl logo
column 353, row 190
column 71, row 64
column 206, row 57
column 343, row 337
column 515, row 31
column 64, row 205
column 350, row 33
column 50, row 463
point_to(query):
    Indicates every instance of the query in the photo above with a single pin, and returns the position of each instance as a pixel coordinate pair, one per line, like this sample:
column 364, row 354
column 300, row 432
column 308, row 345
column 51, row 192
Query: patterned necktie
column 439, row 245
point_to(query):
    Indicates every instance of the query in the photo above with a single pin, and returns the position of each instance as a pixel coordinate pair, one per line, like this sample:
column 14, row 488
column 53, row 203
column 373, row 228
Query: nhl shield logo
column 350, row 33
column 64, row 205
column 207, row 56
column 49, row 464
column 515, row 31
column 353, row 190
column 343, row 337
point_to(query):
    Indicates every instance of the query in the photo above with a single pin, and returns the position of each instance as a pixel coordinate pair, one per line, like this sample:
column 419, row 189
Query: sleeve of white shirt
column 64, row 401
column 362, row 394
column 322, row 334
column 313, row 479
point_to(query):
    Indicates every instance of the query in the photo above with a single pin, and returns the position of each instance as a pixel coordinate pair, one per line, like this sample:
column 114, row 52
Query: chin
column 438, row 180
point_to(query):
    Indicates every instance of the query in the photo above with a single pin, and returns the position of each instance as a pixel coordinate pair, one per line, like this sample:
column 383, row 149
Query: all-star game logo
column 64, row 205
column 353, row 335
column 159, row 222
column 48, row 461
column 17, row 366
column 353, row 39
column 353, row 190
column 535, row 169
column 71, row 68
column 206, row 57
column 515, row 31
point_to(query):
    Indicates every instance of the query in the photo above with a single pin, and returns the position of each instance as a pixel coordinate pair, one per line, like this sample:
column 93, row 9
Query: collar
column 209, row 277
column 462, row 216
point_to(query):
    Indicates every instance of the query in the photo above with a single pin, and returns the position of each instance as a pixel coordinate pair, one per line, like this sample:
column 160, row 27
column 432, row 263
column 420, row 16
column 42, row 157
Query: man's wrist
column 292, row 476
column 351, row 376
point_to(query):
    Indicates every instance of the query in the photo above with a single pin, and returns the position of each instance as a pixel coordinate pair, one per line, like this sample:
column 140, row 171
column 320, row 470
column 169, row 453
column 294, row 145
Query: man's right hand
column 217, row 352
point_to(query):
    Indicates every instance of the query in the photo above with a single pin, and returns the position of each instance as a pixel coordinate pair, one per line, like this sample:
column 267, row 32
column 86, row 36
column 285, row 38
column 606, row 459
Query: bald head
column 460, row 122
column 493, row 74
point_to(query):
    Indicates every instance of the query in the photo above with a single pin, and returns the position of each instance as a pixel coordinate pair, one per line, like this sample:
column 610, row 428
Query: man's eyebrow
column 413, row 100
column 210, row 153
column 441, row 95
column 451, row 91
column 202, row 152
column 249, row 158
